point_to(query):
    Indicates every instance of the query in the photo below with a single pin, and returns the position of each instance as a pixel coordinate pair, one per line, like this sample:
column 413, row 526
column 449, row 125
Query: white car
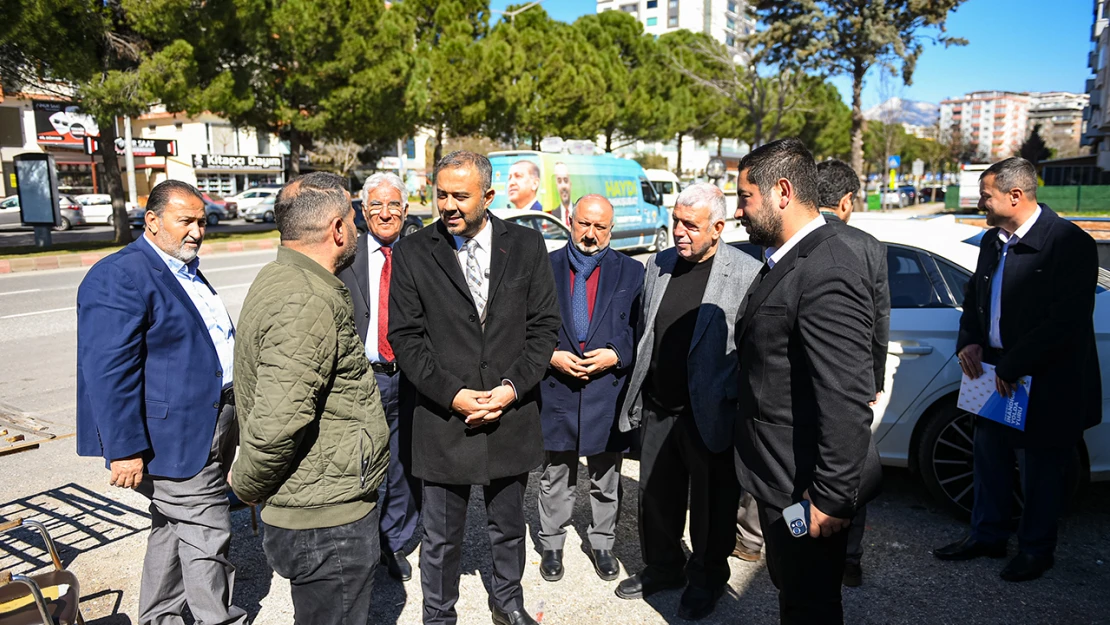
column 262, row 210
column 917, row 424
column 97, row 207
column 251, row 197
column 555, row 234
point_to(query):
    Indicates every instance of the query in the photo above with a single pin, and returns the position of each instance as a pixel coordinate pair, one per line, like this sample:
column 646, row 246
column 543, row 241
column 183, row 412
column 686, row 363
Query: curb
column 69, row 261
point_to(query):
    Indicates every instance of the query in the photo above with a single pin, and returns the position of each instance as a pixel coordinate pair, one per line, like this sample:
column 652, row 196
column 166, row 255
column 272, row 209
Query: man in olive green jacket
column 314, row 443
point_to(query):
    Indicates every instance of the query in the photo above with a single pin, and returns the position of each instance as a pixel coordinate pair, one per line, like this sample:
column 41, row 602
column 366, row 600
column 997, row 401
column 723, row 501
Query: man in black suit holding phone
column 1028, row 312
column 804, row 339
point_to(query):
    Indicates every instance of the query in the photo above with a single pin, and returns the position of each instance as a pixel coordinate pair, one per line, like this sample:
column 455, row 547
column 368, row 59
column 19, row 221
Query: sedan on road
column 917, row 424
column 72, row 214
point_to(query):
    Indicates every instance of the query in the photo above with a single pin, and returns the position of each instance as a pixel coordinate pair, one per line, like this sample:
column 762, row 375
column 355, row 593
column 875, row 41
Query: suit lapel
column 714, row 287
column 361, row 269
column 501, row 244
column 665, row 267
column 174, row 287
column 443, row 251
column 561, row 266
column 779, row 271
column 610, row 268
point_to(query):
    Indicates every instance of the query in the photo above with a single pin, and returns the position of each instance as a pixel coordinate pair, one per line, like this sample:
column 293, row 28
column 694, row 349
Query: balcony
column 1092, row 60
column 1090, row 85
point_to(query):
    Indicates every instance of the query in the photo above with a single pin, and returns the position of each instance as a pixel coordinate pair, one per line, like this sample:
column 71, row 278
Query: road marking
column 235, row 286
column 235, row 267
column 39, row 312
column 51, row 288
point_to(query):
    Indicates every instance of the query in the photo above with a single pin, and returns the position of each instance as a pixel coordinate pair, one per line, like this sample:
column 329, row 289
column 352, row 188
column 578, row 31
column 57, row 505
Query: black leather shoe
column 969, row 549
column 853, row 575
column 698, row 603
column 398, row 565
column 644, row 584
column 605, row 564
column 1025, row 567
column 516, row 617
column 551, row 565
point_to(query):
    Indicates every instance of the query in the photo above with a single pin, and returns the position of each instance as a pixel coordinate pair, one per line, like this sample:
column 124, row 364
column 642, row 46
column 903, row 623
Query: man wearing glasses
column 385, row 207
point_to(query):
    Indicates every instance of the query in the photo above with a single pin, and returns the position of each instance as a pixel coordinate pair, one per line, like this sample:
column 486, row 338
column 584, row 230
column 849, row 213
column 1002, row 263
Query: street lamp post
column 512, row 14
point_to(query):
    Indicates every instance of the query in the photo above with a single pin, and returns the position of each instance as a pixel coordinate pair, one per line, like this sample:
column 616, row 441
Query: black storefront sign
column 139, row 147
column 62, row 124
column 233, row 162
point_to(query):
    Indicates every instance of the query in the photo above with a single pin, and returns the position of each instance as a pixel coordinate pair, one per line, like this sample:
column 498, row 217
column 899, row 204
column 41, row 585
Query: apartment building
column 994, row 122
column 724, row 20
column 1098, row 60
column 1060, row 117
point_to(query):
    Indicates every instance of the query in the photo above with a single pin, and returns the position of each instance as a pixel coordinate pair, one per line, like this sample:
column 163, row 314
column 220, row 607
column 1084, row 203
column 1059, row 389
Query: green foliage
column 1034, row 149
column 651, row 161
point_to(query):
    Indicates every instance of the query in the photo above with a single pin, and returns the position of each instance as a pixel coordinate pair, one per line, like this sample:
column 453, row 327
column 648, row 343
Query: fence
column 1089, row 198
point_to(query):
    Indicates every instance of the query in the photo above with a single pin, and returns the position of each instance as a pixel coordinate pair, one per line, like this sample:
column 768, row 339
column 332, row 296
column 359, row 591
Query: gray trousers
column 558, row 486
column 190, row 534
column 749, row 534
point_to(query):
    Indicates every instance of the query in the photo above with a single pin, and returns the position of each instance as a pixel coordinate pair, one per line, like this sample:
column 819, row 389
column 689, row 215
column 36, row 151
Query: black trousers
column 330, row 569
column 676, row 466
column 441, row 551
column 807, row 571
column 855, row 535
column 399, row 495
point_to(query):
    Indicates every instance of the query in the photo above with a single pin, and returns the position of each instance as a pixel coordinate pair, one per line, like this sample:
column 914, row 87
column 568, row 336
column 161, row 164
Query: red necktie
column 385, row 352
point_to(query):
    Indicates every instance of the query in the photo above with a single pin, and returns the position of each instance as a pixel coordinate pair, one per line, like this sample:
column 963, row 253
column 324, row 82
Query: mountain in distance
column 904, row 111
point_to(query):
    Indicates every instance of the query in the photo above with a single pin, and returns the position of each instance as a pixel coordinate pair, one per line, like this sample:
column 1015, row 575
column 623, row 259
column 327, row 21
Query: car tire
column 111, row 220
column 268, row 217
column 944, row 455
column 661, row 241
column 409, row 228
column 212, row 219
column 65, row 225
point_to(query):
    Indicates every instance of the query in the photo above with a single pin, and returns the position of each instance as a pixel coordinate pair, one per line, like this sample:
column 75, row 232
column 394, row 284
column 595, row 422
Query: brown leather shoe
column 747, row 555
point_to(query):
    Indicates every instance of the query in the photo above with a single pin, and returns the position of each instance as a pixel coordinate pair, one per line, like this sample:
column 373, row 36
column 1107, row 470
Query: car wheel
column 409, row 228
column 945, row 462
column 661, row 241
column 213, row 219
column 268, row 217
column 111, row 220
column 65, row 225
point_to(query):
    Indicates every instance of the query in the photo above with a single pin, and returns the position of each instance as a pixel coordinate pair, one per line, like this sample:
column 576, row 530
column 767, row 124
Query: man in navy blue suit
column 599, row 291
column 155, row 349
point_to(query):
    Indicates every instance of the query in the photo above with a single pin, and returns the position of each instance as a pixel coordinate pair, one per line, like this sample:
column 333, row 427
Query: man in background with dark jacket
column 314, row 444
column 1028, row 312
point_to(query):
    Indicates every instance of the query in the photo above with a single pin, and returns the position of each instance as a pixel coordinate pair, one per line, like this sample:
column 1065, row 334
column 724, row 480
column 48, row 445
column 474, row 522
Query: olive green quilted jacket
column 314, row 444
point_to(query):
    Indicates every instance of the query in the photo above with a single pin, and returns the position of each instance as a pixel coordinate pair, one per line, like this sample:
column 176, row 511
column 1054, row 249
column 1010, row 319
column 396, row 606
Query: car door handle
column 909, row 350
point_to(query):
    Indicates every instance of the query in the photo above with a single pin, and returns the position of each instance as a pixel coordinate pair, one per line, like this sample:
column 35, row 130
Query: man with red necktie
column 384, row 204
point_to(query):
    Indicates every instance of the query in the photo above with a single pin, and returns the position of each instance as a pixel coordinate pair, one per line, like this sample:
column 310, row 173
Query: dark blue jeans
column 331, row 570
column 1042, row 484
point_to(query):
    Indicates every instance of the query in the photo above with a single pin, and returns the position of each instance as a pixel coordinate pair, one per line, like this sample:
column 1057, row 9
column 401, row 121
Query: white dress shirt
column 1008, row 241
column 775, row 254
column 484, row 239
column 376, row 262
column 208, row 304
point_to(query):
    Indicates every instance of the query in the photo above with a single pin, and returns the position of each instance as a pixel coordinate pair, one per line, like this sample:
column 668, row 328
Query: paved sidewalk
column 66, row 261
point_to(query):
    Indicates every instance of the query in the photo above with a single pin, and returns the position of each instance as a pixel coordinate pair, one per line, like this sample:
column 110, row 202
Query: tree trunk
column 858, row 73
column 719, row 146
column 536, row 142
column 294, row 152
column 608, row 141
column 678, row 163
column 113, row 181
column 438, row 152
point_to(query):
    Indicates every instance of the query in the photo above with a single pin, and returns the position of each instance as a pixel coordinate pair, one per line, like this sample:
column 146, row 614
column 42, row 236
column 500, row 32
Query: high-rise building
column 995, row 123
column 724, row 20
column 1098, row 59
column 1060, row 117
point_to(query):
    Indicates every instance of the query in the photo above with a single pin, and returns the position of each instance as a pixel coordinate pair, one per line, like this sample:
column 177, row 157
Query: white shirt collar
column 373, row 244
column 775, row 254
column 1022, row 230
column 484, row 236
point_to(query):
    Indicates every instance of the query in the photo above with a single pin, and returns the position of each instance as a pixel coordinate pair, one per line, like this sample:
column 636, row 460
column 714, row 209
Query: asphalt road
column 101, row 530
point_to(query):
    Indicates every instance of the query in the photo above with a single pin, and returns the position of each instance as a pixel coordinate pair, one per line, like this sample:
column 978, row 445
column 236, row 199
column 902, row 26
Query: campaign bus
column 541, row 181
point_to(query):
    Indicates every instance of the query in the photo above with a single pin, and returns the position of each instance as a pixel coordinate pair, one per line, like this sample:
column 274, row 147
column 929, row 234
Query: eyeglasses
column 395, row 208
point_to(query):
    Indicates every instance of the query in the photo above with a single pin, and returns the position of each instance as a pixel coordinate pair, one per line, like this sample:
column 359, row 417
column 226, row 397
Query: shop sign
column 62, row 124
column 234, row 162
column 139, row 147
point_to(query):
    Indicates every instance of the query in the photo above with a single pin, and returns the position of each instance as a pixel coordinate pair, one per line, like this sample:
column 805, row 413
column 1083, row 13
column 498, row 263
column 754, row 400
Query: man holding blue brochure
column 1028, row 313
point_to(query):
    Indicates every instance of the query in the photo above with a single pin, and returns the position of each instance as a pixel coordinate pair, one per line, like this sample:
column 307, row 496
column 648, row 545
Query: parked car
column 72, row 214
column 917, row 424
column 217, row 208
column 263, row 210
column 254, row 196
column 934, row 193
column 412, row 222
column 555, row 234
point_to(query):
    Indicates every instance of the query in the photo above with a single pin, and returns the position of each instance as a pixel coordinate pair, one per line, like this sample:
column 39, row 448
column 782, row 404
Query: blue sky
column 1014, row 45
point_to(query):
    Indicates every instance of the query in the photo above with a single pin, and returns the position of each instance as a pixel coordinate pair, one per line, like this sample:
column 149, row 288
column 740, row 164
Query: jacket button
column 616, row 383
column 485, row 365
column 473, row 318
column 216, row 405
column 623, row 315
column 551, row 384
column 219, row 373
column 366, row 314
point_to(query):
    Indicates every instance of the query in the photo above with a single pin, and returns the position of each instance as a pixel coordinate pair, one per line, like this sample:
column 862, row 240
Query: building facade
column 1059, row 114
column 726, row 21
column 995, row 123
column 1098, row 60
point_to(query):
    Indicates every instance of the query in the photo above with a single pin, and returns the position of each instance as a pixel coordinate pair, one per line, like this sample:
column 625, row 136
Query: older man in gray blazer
column 683, row 395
